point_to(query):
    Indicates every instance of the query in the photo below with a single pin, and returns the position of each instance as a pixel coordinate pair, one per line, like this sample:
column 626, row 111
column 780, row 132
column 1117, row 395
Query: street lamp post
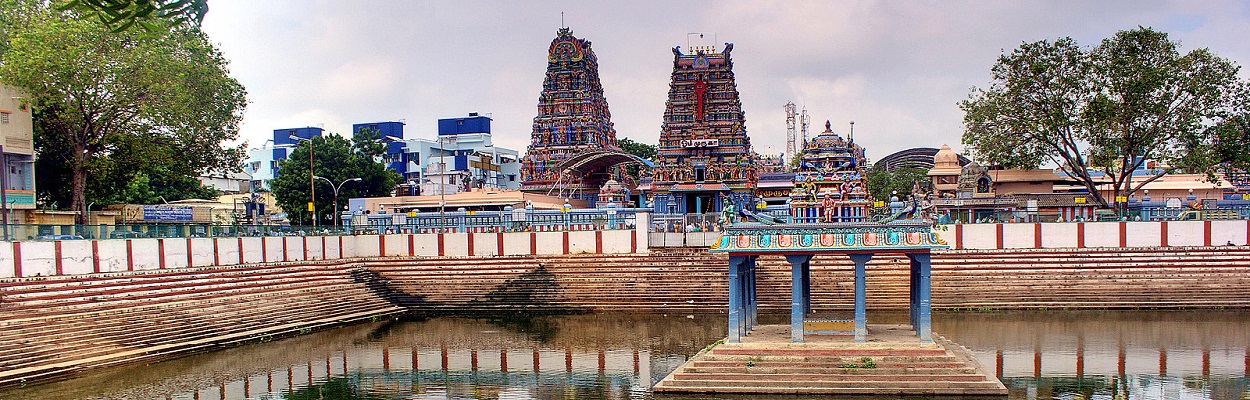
column 312, row 190
column 336, row 195
column 442, row 185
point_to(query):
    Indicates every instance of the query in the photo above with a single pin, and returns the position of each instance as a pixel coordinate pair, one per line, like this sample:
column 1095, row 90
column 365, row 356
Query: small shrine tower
column 705, row 158
column 829, row 185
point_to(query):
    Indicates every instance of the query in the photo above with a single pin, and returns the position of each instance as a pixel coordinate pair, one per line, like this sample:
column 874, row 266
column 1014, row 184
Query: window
column 4, row 117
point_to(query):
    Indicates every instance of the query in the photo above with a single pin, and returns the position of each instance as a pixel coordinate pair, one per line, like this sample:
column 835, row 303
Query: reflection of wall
column 590, row 354
column 1184, row 344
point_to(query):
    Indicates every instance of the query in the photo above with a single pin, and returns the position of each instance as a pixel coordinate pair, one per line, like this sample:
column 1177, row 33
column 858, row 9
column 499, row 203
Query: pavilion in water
column 798, row 243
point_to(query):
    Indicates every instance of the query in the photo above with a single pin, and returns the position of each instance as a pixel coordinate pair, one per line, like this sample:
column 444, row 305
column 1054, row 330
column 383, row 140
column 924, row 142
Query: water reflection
column 1040, row 355
column 1195, row 354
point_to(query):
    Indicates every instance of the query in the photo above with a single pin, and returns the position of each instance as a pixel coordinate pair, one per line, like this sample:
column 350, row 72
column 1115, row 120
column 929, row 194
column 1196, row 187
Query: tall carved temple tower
column 705, row 156
column 572, row 118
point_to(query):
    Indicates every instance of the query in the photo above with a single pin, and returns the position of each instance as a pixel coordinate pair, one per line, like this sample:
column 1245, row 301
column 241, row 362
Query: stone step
column 858, row 352
column 966, row 388
column 826, row 368
column 717, row 357
column 884, row 382
column 765, row 379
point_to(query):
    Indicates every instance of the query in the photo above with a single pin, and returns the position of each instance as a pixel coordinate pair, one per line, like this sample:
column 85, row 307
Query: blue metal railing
column 508, row 220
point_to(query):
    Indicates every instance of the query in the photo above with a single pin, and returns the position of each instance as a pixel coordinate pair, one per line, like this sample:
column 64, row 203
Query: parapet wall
column 1059, row 235
column 79, row 257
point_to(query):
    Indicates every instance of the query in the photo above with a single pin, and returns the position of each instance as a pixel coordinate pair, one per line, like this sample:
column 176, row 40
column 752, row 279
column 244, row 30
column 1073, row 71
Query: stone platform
column 767, row 362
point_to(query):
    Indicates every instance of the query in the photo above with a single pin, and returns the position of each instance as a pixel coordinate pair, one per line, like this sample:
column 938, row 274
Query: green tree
column 153, row 15
column 642, row 150
column 336, row 159
column 1109, row 108
column 883, row 183
column 1232, row 148
column 111, row 105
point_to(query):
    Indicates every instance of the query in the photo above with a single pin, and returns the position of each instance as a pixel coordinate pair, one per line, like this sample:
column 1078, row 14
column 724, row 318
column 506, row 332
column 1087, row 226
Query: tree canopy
column 337, row 159
column 110, row 107
column 153, row 15
column 1108, row 109
column 883, row 183
column 642, row 150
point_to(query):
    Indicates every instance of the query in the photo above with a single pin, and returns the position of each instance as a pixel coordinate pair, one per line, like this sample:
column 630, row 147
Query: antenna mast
column 791, row 148
column 806, row 120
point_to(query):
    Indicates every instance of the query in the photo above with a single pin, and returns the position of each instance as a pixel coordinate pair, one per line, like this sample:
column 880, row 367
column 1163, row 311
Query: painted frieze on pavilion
column 705, row 159
column 572, row 118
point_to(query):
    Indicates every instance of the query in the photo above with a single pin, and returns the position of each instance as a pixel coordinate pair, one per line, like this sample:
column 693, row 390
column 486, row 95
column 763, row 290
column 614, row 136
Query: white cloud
column 896, row 68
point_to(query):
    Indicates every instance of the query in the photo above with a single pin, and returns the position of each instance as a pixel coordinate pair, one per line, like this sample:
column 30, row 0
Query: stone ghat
column 52, row 326
column 694, row 282
column 893, row 363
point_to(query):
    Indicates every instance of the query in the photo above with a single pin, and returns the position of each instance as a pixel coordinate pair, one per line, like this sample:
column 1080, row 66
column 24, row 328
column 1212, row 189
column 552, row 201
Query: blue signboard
column 167, row 213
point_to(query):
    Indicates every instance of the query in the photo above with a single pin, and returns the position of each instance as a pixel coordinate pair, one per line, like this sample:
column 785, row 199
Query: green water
column 1040, row 355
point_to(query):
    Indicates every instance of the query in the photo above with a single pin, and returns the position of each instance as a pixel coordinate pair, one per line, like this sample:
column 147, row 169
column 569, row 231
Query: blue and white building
column 262, row 162
column 461, row 157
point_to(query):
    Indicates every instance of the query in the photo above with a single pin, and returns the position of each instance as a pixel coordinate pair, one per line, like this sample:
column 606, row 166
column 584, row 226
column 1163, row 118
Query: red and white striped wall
column 75, row 257
column 1096, row 234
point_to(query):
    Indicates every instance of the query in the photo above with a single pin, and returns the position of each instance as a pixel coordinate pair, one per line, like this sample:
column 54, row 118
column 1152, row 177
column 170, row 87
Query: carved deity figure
column 830, row 207
column 728, row 210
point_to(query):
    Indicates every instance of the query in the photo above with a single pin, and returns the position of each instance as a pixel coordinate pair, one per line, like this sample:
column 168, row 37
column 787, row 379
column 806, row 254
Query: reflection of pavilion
column 810, row 360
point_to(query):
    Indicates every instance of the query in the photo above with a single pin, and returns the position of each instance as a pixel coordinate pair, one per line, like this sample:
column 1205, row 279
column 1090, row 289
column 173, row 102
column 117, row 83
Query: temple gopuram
column 829, row 184
column 705, row 158
column 573, row 131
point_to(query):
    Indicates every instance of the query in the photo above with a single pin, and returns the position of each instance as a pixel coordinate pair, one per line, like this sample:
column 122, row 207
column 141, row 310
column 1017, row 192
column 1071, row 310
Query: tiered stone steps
column 1092, row 278
column 54, row 325
column 578, row 283
column 899, row 366
column 694, row 281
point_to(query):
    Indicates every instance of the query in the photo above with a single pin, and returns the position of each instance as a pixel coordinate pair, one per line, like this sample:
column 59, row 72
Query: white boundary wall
column 79, row 257
column 25, row 259
column 1096, row 234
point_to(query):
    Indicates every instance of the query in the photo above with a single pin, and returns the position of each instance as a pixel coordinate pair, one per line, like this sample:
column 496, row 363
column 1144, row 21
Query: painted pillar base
column 861, row 296
column 798, row 303
column 921, row 264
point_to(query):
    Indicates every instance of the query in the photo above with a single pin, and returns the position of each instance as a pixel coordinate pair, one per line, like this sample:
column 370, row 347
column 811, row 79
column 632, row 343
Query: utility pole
column 312, row 189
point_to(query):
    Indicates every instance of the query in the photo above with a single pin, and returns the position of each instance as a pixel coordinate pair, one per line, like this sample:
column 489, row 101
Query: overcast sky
column 896, row 68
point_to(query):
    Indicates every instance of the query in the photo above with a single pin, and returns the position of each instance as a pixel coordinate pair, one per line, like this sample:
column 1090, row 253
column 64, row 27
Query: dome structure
column 945, row 158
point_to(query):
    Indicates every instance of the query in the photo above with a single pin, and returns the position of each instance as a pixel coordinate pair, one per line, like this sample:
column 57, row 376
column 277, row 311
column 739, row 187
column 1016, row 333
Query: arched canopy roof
column 591, row 160
column 919, row 157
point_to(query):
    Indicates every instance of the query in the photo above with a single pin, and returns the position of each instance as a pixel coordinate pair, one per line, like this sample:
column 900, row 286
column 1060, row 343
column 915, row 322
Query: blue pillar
column 807, row 286
column 736, row 264
column 912, row 287
column 753, row 311
column 861, row 296
column 920, row 264
column 797, row 301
